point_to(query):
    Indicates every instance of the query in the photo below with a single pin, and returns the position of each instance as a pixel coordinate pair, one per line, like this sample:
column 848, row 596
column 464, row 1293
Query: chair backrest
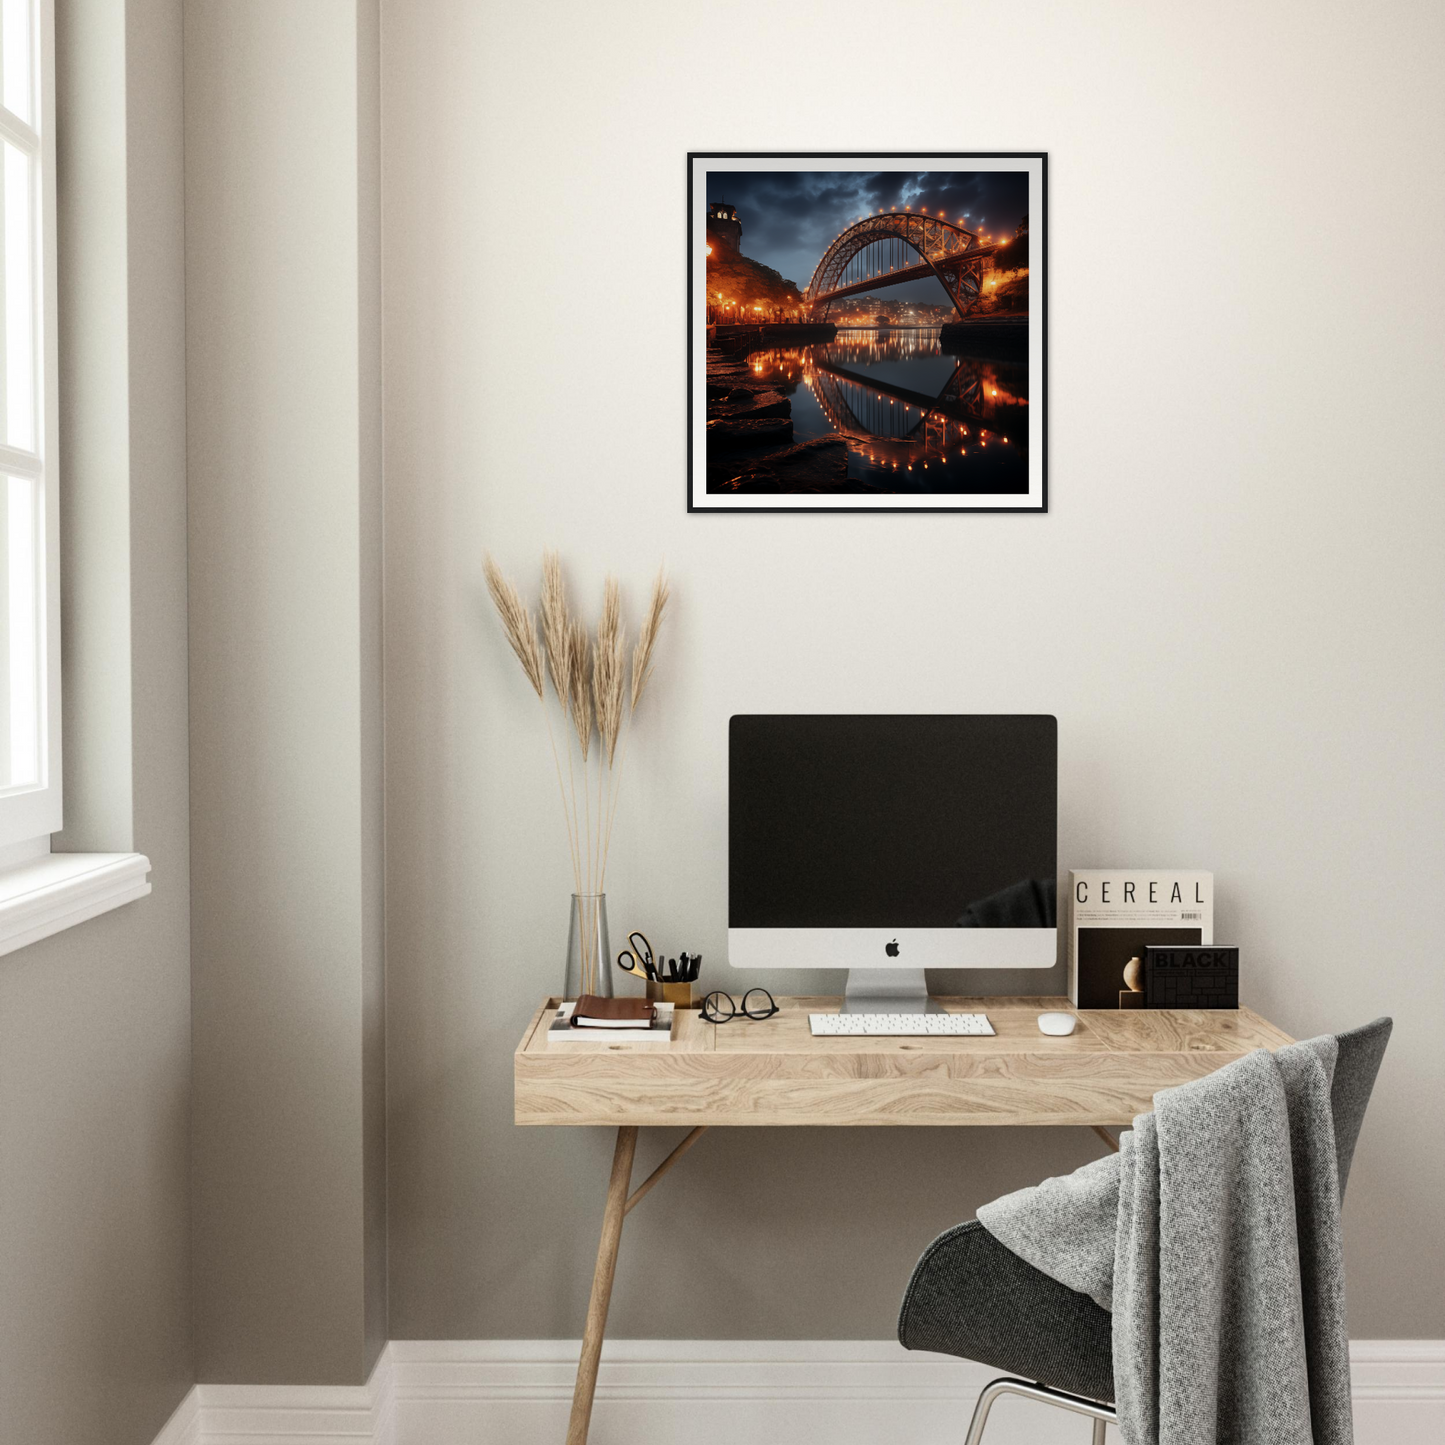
column 1359, row 1061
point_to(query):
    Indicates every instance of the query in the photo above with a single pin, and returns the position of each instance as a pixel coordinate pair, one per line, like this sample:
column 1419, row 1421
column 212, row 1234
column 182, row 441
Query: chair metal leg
column 1099, row 1413
column 980, row 1411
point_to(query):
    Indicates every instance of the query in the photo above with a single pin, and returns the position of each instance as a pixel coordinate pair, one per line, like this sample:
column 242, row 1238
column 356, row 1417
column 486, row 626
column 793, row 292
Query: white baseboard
column 713, row 1392
column 288, row 1414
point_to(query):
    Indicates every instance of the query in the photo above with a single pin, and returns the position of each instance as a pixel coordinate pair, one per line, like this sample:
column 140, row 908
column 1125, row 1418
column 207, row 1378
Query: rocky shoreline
column 742, row 339
column 750, row 446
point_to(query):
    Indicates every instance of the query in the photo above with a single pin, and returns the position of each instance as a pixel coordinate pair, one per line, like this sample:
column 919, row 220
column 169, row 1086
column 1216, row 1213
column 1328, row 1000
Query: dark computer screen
column 932, row 821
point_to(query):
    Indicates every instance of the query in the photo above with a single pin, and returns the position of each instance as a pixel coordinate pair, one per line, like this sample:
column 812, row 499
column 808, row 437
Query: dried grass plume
column 579, row 689
column 647, row 637
column 556, row 633
column 517, row 623
column 609, row 669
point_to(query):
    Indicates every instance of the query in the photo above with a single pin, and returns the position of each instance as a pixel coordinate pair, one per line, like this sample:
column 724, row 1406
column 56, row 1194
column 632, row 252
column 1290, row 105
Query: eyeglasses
column 719, row 1008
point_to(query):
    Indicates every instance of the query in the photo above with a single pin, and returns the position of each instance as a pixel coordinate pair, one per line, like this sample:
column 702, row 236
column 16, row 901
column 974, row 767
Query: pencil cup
column 673, row 993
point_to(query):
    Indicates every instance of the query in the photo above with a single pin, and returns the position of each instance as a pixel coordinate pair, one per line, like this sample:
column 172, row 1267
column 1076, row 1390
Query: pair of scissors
column 637, row 958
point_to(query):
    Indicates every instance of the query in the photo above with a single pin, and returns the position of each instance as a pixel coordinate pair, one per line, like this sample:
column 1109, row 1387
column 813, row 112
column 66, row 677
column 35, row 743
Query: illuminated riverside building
column 724, row 226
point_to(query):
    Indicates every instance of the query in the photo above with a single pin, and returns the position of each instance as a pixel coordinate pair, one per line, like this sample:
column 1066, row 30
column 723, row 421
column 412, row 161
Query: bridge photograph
column 866, row 334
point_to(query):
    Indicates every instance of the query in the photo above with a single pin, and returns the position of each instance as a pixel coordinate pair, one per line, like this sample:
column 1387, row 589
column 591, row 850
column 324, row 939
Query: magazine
column 1114, row 913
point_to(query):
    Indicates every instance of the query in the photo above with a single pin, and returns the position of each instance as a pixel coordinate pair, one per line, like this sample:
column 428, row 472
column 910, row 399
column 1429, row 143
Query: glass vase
column 589, row 952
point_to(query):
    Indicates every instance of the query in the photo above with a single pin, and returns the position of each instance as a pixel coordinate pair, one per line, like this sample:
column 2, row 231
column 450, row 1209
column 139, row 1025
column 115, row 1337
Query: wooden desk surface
column 774, row 1072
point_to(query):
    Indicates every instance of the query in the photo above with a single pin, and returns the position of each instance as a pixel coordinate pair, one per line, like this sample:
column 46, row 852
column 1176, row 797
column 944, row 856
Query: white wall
column 1234, row 605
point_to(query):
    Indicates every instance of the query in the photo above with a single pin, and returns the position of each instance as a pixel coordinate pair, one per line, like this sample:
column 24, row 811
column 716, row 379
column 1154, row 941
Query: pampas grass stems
column 590, row 684
column 647, row 637
column 516, row 623
column 521, row 633
column 641, row 672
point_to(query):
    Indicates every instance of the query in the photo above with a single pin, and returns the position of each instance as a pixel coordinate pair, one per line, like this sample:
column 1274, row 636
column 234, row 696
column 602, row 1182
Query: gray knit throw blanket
column 1214, row 1237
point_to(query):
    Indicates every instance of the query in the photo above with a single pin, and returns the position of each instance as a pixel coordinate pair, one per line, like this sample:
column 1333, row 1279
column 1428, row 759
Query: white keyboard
column 912, row 1026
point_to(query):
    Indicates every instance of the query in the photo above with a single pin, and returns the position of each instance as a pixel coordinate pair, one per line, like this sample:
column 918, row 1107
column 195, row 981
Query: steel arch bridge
column 952, row 253
column 891, row 433
column 854, row 403
column 844, row 394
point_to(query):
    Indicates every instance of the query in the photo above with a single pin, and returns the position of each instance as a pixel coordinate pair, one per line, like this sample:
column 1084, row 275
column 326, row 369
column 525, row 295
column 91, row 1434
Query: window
column 30, row 796
column 41, row 892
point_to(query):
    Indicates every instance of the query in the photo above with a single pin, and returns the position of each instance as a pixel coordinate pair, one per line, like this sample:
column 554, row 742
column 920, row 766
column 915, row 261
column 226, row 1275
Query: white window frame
column 29, row 815
column 42, row 892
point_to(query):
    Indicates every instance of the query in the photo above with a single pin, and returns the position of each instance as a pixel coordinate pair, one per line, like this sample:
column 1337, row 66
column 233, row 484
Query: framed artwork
column 867, row 332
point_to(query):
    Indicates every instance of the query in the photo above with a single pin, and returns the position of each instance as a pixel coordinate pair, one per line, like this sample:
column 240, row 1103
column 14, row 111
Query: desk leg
column 612, row 1216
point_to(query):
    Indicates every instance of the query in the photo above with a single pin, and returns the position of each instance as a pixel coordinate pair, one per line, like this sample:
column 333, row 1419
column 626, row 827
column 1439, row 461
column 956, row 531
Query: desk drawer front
column 902, row 1088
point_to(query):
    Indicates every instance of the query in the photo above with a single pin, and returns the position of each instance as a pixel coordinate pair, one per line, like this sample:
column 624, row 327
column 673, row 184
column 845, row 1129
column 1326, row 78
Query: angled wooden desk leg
column 612, row 1216
column 640, row 1193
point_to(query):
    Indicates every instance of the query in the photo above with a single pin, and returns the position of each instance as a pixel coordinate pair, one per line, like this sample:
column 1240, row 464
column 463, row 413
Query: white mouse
column 1057, row 1023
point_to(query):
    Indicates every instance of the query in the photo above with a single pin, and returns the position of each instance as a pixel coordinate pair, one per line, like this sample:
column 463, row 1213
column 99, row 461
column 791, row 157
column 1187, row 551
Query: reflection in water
column 916, row 418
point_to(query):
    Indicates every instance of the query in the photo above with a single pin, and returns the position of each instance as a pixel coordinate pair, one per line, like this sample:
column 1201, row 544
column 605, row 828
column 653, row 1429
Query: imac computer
column 890, row 844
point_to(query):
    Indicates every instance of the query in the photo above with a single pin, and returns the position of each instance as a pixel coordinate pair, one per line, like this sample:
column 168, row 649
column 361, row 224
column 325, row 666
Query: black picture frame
column 699, row 500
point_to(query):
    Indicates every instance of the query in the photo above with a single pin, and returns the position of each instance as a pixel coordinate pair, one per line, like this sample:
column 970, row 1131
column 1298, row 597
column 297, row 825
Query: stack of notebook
column 611, row 1021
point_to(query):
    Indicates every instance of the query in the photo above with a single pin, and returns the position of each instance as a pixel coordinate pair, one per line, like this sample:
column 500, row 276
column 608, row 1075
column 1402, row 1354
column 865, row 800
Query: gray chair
column 970, row 1296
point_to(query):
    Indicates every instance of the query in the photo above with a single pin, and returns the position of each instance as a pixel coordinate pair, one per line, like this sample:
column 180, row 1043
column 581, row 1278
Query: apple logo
column 891, row 949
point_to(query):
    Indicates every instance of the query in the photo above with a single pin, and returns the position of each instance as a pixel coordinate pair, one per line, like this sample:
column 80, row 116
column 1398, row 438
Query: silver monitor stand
column 887, row 991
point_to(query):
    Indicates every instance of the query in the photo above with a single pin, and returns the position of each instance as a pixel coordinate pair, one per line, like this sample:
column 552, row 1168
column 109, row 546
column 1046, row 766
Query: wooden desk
column 774, row 1072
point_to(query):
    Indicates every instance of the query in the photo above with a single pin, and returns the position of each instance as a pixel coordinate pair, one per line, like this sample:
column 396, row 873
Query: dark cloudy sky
column 790, row 217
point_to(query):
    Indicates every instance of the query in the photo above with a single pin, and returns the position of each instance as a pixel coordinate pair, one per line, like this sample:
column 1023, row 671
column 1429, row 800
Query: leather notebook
column 593, row 1012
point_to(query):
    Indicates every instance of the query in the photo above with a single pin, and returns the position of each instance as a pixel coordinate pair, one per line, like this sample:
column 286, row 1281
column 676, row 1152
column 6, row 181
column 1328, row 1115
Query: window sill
column 60, row 890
